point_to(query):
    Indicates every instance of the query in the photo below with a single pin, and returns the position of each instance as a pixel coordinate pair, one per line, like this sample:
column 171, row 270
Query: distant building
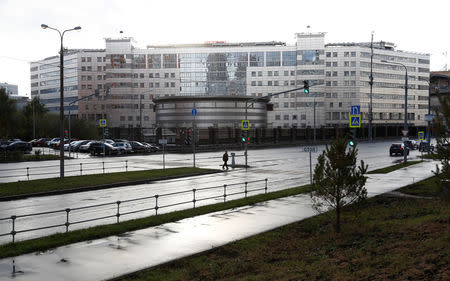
column 21, row 101
column 337, row 72
column 11, row 89
column 439, row 82
column 84, row 71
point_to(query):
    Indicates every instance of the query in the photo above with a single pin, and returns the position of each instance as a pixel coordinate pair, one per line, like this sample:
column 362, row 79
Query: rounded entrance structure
column 210, row 111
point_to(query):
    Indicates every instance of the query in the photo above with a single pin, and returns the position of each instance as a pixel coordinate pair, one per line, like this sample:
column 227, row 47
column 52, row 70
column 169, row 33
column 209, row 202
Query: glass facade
column 213, row 74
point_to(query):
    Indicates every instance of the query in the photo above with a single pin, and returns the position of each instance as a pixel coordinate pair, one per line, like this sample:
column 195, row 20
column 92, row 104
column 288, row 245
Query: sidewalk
column 117, row 255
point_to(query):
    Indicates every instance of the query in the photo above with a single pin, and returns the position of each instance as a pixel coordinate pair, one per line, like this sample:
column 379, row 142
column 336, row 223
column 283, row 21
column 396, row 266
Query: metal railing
column 228, row 190
column 27, row 172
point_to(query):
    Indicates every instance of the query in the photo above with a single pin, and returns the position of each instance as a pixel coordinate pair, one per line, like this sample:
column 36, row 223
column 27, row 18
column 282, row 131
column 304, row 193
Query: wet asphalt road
column 283, row 167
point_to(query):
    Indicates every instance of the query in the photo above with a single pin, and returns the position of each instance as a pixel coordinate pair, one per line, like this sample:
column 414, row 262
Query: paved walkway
column 117, row 255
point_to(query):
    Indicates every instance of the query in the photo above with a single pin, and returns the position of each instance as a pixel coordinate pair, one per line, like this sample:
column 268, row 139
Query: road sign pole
column 310, row 168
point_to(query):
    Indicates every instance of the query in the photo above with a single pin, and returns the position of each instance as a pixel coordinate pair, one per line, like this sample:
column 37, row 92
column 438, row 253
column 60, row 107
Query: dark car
column 4, row 144
column 138, row 147
column 76, row 146
column 151, row 147
column 100, row 147
column 19, row 146
column 42, row 142
column 398, row 148
column 425, row 147
column 410, row 144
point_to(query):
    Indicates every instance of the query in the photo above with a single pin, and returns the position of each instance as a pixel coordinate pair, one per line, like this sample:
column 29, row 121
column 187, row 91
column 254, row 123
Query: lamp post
column 61, row 97
column 405, row 123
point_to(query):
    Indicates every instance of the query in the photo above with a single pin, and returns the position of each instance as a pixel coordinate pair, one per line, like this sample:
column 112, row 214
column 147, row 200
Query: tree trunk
column 338, row 217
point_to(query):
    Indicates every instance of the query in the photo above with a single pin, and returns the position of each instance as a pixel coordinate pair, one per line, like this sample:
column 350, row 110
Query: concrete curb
column 103, row 186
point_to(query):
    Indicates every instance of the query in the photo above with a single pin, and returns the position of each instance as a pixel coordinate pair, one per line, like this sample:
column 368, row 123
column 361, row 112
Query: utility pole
column 34, row 119
column 371, row 85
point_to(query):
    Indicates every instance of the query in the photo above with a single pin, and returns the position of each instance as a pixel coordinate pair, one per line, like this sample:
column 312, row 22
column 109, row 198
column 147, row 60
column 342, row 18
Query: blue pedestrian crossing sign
column 245, row 125
column 421, row 135
column 355, row 110
column 102, row 122
column 355, row 121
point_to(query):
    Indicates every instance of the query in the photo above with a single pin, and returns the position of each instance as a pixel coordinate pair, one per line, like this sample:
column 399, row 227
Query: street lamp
column 61, row 97
column 405, row 124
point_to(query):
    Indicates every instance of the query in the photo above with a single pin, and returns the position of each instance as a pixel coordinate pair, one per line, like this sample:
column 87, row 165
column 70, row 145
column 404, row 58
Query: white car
column 123, row 147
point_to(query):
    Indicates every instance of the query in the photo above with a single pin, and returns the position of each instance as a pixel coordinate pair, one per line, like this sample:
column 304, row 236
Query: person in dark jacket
column 225, row 160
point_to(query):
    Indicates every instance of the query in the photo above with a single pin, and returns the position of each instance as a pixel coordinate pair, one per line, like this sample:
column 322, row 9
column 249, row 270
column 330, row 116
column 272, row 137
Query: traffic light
column 352, row 138
column 243, row 138
column 306, row 86
column 248, row 140
column 188, row 136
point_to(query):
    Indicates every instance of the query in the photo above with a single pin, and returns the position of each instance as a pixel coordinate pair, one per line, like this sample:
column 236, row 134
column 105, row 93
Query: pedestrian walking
column 225, row 160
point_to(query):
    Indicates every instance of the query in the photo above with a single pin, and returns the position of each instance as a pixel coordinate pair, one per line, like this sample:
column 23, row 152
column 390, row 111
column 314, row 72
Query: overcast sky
column 418, row 26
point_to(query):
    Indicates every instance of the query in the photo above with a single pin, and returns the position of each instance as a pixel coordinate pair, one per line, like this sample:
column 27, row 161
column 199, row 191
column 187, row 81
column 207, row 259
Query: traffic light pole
column 305, row 88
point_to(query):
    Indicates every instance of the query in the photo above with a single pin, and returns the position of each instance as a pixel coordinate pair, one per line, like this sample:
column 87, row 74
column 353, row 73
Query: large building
column 11, row 89
column 337, row 72
column 84, row 71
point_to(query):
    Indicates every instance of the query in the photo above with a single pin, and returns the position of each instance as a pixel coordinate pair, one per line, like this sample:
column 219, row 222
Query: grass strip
column 58, row 184
column 60, row 239
column 392, row 168
column 27, row 158
column 384, row 238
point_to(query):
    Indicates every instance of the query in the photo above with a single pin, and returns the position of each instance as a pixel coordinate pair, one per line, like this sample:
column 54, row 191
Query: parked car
column 98, row 148
column 139, row 147
column 4, row 144
column 109, row 141
column 19, row 146
column 152, row 147
column 53, row 142
column 86, row 147
column 76, row 146
column 71, row 145
column 42, row 142
column 425, row 147
column 398, row 148
column 410, row 144
column 123, row 147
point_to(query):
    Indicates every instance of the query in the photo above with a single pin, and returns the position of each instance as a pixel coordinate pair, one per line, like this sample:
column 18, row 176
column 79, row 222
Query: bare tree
column 337, row 180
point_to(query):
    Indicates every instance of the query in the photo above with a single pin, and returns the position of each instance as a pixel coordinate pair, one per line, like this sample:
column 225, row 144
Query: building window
column 273, row 59
column 286, row 73
column 335, row 64
column 253, row 83
column 269, row 73
column 172, row 75
column 353, row 54
column 259, row 73
column 259, row 83
column 269, row 83
column 172, row 84
column 334, row 54
column 277, row 117
column 328, row 54
column 253, row 73
column 285, row 117
column 275, row 73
